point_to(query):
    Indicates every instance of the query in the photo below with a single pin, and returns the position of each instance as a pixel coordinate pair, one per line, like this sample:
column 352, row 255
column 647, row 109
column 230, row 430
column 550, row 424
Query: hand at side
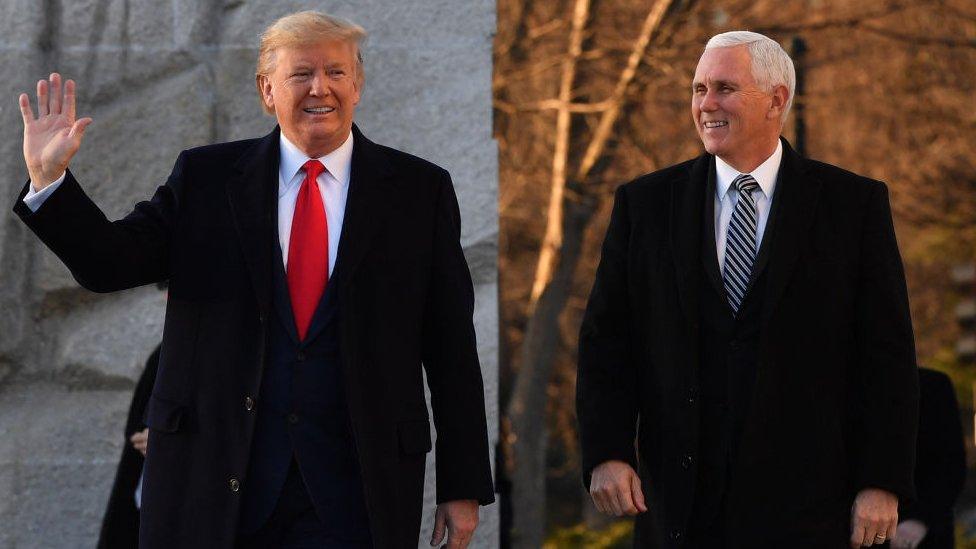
column 459, row 518
column 874, row 517
column 140, row 440
column 616, row 489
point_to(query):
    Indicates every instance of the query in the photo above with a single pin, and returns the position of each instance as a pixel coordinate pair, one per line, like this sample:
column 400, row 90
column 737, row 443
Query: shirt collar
column 337, row 162
column 764, row 174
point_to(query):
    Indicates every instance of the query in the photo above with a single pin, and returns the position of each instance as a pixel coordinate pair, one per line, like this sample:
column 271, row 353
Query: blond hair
column 301, row 29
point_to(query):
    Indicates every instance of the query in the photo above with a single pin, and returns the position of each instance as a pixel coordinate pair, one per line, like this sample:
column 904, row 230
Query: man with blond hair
column 313, row 277
column 749, row 328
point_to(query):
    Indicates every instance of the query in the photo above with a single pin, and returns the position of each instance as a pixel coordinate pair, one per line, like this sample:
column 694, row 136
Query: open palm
column 54, row 136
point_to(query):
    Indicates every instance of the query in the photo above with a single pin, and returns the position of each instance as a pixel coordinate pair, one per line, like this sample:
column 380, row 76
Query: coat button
column 248, row 403
column 734, row 345
column 686, row 462
column 692, row 395
column 235, row 485
column 675, row 535
column 301, row 356
column 293, row 418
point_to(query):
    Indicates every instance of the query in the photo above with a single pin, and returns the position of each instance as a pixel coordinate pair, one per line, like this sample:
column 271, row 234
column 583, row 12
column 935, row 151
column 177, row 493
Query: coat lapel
column 687, row 203
column 709, row 251
column 797, row 195
column 371, row 186
column 252, row 193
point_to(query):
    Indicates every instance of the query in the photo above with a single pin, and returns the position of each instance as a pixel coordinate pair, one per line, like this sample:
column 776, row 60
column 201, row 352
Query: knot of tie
column 313, row 168
column 745, row 183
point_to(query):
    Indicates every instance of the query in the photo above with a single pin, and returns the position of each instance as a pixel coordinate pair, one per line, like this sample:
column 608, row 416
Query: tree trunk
column 527, row 407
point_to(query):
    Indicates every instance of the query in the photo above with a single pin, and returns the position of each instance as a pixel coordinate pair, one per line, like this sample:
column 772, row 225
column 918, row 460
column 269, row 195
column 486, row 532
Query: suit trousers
column 293, row 524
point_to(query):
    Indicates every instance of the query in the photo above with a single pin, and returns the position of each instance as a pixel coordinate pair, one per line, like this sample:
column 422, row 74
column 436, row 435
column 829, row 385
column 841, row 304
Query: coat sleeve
column 450, row 359
column 885, row 385
column 103, row 255
column 606, row 382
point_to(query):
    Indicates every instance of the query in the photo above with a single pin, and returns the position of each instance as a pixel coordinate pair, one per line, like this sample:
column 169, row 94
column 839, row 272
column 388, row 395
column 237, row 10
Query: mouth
column 715, row 124
column 318, row 110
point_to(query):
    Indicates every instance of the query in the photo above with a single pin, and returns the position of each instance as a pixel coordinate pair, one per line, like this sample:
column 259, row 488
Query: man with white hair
column 311, row 274
column 749, row 327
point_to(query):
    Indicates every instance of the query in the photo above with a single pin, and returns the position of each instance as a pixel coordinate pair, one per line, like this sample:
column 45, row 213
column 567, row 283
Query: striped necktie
column 740, row 243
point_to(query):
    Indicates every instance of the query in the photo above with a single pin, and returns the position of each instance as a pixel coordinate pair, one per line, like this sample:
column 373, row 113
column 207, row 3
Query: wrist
column 39, row 180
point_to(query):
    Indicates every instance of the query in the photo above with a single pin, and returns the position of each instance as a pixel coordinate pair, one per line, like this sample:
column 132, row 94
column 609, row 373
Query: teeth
column 319, row 110
column 716, row 124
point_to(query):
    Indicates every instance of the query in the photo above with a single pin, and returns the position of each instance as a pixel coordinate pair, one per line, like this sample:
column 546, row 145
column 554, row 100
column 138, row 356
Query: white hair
column 771, row 65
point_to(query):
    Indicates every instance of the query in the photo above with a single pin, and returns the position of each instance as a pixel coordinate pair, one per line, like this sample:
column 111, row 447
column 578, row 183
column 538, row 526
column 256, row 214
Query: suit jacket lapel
column 797, row 195
column 371, row 186
column 709, row 250
column 252, row 193
column 687, row 209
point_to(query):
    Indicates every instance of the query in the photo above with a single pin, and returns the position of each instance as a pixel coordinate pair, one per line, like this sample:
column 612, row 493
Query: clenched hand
column 874, row 517
column 616, row 489
column 54, row 136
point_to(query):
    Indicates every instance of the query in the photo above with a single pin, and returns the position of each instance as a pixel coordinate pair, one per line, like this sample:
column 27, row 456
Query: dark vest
column 302, row 415
column 729, row 356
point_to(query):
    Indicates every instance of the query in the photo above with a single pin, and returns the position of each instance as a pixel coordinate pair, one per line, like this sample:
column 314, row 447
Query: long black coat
column 406, row 298
column 835, row 401
column 120, row 525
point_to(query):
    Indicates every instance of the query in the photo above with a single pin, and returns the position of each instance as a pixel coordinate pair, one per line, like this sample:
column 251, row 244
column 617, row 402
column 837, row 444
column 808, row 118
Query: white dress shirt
column 333, row 183
column 765, row 174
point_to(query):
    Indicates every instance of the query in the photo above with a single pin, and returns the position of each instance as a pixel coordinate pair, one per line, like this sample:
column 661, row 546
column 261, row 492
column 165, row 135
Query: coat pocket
column 414, row 437
column 163, row 415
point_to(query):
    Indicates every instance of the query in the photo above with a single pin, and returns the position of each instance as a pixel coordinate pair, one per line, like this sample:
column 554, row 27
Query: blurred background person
column 120, row 527
column 940, row 468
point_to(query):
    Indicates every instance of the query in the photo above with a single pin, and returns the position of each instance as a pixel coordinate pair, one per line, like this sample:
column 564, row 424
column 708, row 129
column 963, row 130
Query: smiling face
column 313, row 91
column 737, row 120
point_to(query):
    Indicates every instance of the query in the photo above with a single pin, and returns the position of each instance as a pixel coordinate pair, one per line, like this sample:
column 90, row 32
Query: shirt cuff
column 34, row 199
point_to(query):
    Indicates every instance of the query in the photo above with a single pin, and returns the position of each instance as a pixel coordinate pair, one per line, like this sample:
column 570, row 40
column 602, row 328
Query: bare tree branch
column 609, row 118
column 553, row 237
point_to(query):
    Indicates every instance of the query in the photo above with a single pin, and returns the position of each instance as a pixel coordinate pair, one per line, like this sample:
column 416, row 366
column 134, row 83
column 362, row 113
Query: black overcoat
column 406, row 298
column 835, row 399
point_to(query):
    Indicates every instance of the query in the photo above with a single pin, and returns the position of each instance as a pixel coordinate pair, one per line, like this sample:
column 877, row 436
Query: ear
column 781, row 94
column 267, row 91
column 357, row 88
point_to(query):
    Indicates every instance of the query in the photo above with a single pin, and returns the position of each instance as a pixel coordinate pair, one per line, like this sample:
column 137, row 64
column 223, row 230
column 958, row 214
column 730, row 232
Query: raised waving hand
column 54, row 136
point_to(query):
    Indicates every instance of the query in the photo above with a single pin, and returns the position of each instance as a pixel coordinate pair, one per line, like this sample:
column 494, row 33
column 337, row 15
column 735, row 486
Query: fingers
column 25, row 108
column 42, row 105
column 440, row 526
column 78, row 128
column 599, row 501
column 858, row 536
column 55, row 99
column 638, row 494
column 69, row 99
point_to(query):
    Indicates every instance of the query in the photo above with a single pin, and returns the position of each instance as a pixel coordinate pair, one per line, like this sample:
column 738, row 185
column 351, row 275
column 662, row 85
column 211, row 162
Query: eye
column 337, row 73
column 300, row 74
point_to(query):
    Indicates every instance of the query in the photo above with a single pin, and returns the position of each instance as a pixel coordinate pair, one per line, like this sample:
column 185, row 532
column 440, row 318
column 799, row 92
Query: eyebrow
column 717, row 83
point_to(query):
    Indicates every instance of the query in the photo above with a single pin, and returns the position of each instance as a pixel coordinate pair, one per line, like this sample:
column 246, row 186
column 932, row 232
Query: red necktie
column 308, row 250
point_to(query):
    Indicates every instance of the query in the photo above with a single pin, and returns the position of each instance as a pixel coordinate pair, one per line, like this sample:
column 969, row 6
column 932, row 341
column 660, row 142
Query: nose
column 708, row 102
column 319, row 86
